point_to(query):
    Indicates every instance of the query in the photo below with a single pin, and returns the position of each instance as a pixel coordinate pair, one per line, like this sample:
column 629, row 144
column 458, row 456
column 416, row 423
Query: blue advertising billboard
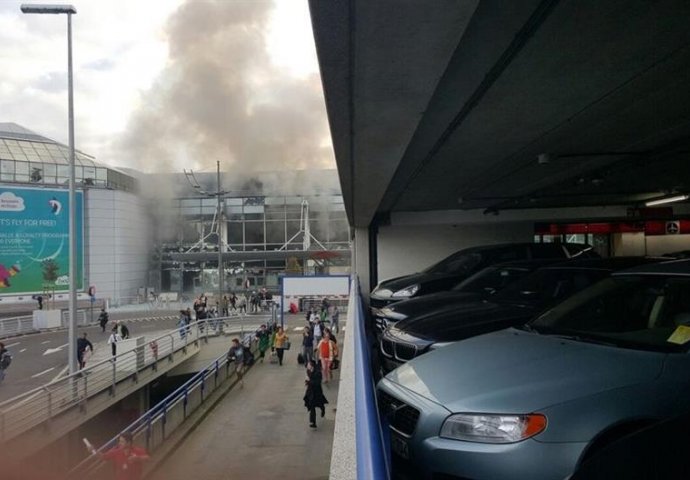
column 34, row 240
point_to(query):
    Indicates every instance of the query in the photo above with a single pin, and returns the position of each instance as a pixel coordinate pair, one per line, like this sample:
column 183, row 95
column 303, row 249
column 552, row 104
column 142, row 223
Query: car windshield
column 459, row 263
column 642, row 312
column 491, row 279
column 548, row 286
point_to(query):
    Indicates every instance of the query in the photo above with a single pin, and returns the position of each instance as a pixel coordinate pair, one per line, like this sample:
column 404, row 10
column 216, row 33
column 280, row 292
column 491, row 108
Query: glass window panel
column 253, row 216
column 275, row 232
column 293, row 200
column 209, row 202
column 191, row 211
column 19, row 156
column 7, row 170
column 101, row 174
column 231, row 210
column 40, row 147
column 209, row 210
column 233, row 201
column 253, row 209
column 62, row 172
column 235, row 233
column 254, row 232
column 275, row 212
column 11, row 142
column 274, row 201
column 292, row 228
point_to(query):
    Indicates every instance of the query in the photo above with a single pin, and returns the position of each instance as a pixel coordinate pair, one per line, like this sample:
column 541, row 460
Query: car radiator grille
column 387, row 347
column 401, row 416
column 378, row 303
column 405, row 352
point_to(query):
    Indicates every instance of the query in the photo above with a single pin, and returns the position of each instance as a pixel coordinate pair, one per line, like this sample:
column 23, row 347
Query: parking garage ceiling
column 462, row 104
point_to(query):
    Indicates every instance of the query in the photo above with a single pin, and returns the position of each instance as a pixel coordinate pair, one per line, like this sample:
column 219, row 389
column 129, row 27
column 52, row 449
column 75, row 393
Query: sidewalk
column 260, row 431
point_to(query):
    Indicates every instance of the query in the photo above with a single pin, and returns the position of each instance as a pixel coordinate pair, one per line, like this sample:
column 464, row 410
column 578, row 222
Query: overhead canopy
column 523, row 104
column 260, row 255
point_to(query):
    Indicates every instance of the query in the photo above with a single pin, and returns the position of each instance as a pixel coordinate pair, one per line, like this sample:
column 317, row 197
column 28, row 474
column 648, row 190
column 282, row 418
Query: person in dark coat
column 313, row 397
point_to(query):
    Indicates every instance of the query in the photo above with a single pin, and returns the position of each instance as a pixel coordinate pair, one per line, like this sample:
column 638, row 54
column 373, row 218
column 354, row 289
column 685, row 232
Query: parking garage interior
column 459, row 124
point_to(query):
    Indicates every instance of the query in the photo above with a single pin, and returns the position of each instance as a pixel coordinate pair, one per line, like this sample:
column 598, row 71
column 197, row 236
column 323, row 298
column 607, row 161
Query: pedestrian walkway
column 260, row 431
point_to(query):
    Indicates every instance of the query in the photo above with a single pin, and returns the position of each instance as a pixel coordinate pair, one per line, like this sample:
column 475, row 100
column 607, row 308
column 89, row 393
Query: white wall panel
column 118, row 242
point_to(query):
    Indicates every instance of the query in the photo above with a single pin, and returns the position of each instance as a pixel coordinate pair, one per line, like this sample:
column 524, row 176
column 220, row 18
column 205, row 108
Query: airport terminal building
column 131, row 237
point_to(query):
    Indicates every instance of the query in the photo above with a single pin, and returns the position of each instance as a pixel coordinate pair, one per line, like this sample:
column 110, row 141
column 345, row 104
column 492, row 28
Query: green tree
column 50, row 271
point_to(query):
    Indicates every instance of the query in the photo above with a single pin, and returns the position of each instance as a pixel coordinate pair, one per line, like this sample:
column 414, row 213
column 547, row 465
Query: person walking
column 224, row 304
column 307, row 344
column 103, row 319
column 113, row 340
column 281, row 342
column 335, row 319
column 314, row 397
column 317, row 332
column 236, row 354
column 326, row 350
column 5, row 360
column 83, row 345
column 125, row 457
column 264, row 338
column 182, row 324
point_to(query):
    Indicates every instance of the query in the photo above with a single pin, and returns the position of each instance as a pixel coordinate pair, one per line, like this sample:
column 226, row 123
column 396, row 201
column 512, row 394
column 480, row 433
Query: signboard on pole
column 34, row 240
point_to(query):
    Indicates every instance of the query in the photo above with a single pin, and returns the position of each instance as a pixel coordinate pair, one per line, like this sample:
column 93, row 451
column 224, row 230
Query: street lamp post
column 68, row 10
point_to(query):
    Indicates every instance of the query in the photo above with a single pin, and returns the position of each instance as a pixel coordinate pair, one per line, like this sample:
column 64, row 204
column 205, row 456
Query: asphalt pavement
column 41, row 357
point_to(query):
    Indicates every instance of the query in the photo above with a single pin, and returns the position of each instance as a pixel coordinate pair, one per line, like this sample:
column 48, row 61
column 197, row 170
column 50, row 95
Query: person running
column 113, row 340
column 264, row 338
column 126, row 458
column 314, row 397
column 83, row 345
column 326, row 351
column 236, row 354
column 280, row 343
column 122, row 330
column 224, row 304
column 5, row 360
column 103, row 319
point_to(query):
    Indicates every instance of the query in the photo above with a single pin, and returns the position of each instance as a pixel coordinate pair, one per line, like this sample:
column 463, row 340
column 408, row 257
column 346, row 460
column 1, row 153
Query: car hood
column 398, row 283
column 512, row 371
column 454, row 322
column 434, row 301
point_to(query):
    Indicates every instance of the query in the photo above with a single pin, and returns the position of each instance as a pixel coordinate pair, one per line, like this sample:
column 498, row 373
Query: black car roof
column 611, row 263
column 533, row 263
column 673, row 267
column 493, row 246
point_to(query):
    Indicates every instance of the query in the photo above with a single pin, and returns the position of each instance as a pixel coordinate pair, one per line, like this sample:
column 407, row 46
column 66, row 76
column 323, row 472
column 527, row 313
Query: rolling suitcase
column 300, row 359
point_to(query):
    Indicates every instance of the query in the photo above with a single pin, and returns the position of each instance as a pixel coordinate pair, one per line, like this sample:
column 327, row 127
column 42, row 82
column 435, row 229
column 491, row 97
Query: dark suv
column 513, row 306
column 452, row 270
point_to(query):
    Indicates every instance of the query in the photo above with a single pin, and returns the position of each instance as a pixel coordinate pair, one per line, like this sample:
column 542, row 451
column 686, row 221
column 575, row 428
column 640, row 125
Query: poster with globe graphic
column 34, row 240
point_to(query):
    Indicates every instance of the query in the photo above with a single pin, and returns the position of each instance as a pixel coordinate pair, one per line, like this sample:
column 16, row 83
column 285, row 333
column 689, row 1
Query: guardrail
column 25, row 323
column 155, row 426
column 16, row 325
column 25, row 411
column 371, row 453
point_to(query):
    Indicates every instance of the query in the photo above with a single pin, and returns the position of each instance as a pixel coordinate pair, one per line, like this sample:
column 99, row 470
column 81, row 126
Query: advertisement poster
column 34, row 240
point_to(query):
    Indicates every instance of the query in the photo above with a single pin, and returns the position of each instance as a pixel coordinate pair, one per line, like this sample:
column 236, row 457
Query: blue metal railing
column 159, row 412
column 371, row 451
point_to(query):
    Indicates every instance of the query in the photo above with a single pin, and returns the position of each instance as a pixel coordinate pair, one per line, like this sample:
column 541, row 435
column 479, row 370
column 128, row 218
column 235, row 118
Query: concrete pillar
column 360, row 260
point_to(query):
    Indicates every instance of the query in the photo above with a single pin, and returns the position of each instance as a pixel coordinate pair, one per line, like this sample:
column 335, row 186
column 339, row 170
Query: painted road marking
column 298, row 329
column 12, row 345
column 53, row 350
column 22, row 350
column 43, row 372
column 47, row 341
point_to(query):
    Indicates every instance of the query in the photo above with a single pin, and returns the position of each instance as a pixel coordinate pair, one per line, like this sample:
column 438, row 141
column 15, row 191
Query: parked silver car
column 534, row 402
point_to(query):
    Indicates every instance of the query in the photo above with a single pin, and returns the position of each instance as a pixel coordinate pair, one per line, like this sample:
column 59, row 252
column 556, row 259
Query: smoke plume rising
column 221, row 98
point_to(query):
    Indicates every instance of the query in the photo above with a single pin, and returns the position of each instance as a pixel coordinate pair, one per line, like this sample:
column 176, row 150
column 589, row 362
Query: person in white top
column 113, row 339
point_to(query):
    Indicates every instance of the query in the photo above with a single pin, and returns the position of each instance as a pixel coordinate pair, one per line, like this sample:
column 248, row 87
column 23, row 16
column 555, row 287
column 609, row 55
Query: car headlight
column 406, row 292
column 483, row 428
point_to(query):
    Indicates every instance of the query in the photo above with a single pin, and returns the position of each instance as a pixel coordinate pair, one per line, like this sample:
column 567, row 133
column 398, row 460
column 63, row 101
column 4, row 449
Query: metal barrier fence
column 25, row 411
column 16, row 325
column 371, row 453
column 155, row 426
column 25, row 323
